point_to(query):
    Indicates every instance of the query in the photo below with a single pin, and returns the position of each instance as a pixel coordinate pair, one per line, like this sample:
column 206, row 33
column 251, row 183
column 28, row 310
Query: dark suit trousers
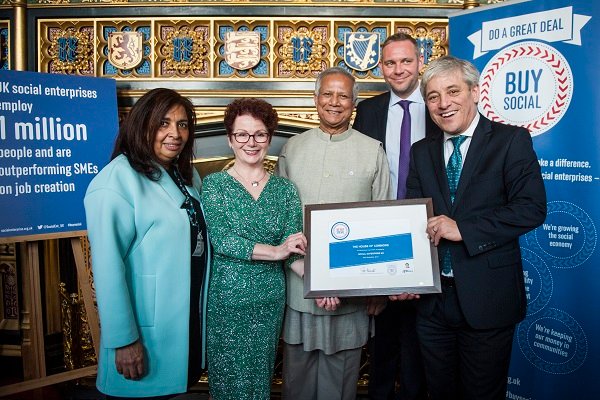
column 462, row 363
column 394, row 354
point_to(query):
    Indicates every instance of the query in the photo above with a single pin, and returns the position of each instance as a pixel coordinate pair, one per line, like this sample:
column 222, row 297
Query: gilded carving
column 354, row 3
column 87, row 256
column 104, row 1
column 4, row 45
column 303, row 49
column 70, row 50
column 54, row 1
column 9, row 289
column 78, row 350
column 306, row 119
column 182, row 49
column 364, row 3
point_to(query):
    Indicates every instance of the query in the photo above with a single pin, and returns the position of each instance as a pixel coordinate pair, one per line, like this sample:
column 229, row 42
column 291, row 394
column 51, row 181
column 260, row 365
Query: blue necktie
column 403, row 160
column 454, row 165
column 453, row 172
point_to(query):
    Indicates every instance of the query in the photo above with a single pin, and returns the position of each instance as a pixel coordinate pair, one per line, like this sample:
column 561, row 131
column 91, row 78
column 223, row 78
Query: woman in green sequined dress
column 254, row 220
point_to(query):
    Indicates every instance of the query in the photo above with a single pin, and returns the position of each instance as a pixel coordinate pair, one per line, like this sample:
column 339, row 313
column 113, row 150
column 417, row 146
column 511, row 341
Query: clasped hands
column 293, row 244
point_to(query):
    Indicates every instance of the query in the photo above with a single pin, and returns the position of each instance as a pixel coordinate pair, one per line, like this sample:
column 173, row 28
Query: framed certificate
column 369, row 249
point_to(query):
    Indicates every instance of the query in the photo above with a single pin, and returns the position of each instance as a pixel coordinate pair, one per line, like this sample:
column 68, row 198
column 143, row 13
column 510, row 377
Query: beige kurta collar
column 334, row 138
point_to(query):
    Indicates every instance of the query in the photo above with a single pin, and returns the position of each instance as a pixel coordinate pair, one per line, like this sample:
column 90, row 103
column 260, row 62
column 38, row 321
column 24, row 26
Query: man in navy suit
column 394, row 350
column 466, row 332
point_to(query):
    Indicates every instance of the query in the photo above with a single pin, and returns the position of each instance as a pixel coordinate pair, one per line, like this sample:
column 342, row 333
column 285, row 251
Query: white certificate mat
column 369, row 248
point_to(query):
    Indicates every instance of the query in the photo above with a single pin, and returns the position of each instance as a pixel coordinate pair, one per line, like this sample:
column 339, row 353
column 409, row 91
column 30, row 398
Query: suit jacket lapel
column 436, row 153
column 476, row 148
column 381, row 115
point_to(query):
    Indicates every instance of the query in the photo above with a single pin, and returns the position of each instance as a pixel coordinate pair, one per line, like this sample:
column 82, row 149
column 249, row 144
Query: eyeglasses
column 244, row 137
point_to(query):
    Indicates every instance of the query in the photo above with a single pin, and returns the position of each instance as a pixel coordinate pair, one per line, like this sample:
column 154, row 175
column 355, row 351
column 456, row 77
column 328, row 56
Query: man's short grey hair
column 334, row 71
column 448, row 64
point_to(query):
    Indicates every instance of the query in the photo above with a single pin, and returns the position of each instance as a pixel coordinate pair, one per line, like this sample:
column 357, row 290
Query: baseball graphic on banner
column 529, row 84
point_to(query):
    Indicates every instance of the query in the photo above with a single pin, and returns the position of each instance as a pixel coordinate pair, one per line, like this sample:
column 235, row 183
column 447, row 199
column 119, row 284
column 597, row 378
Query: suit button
column 481, row 247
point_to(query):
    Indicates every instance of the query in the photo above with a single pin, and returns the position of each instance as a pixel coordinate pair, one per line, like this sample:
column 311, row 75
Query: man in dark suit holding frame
column 394, row 350
column 487, row 190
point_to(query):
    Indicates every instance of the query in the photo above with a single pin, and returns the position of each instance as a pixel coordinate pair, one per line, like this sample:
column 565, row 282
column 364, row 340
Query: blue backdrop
column 56, row 133
column 539, row 63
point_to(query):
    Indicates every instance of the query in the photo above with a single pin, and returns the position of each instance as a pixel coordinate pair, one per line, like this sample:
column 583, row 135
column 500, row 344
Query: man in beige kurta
column 329, row 164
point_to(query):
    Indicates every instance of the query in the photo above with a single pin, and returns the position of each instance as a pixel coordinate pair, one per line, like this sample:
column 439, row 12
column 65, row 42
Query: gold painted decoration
column 9, row 287
column 242, row 49
column 3, row 46
column 303, row 51
column 125, row 49
column 182, row 48
column 261, row 49
column 71, row 51
column 185, row 50
column 298, row 117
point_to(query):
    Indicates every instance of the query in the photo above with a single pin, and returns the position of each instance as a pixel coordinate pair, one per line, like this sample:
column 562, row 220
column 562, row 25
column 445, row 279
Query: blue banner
column 56, row 133
column 370, row 250
column 539, row 62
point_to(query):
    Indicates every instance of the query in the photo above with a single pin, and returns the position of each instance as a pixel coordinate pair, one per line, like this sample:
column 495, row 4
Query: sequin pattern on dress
column 246, row 297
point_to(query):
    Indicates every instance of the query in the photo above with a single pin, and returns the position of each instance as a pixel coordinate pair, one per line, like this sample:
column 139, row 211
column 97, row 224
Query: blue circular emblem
column 538, row 281
column 553, row 341
column 340, row 230
column 567, row 238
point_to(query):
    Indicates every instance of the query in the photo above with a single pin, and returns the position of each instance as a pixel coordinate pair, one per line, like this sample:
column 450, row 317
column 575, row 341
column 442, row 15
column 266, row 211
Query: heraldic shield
column 125, row 49
column 361, row 50
column 242, row 49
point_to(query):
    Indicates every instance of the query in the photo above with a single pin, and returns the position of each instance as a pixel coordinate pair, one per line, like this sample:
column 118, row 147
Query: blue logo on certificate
column 340, row 230
column 374, row 247
column 370, row 251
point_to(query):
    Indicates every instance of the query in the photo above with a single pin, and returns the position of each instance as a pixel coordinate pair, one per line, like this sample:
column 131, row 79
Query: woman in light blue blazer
column 150, row 253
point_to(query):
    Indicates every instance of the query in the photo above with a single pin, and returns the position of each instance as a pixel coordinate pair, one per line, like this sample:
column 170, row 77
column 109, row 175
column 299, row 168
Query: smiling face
column 171, row 136
column 451, row 103
column 400, row 66
column 250, row 153
column 334, row 103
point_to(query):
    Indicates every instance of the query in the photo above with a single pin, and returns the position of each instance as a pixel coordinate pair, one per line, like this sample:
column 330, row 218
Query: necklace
column 252, row 183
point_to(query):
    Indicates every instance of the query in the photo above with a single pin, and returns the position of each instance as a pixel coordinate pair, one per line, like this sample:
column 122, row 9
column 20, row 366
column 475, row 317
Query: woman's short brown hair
column 256, row 108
